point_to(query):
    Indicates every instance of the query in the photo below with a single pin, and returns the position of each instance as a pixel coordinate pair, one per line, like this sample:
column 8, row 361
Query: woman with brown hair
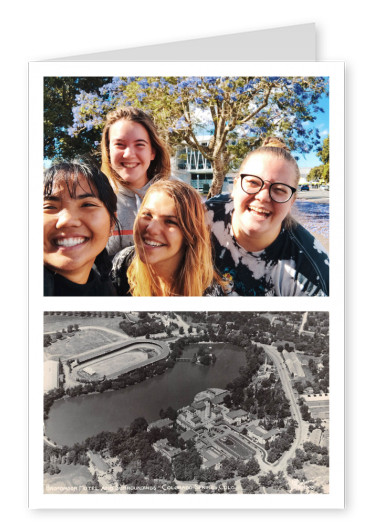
column 134, row 156
column 259, row 247
column 172, row 254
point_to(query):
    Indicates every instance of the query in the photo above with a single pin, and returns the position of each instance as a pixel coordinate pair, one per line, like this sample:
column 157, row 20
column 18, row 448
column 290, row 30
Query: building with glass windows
column 192, row 167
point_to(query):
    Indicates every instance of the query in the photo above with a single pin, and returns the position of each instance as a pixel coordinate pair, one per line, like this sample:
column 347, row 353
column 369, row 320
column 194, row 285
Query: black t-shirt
column 295, row 264
column 59, row 286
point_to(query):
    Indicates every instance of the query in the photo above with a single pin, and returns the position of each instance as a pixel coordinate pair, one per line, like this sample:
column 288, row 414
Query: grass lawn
column 82, row 341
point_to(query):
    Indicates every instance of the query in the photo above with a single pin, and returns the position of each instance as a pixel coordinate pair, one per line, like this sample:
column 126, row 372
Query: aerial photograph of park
column 186, row 402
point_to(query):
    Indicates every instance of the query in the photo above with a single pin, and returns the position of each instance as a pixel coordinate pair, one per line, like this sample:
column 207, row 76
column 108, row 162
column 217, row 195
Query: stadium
column 108, row 362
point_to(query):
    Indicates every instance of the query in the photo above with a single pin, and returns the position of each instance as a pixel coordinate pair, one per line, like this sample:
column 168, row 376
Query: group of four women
column 131, row 229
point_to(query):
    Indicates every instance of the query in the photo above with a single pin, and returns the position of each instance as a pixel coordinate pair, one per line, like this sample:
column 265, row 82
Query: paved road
column 295, row 410
column 315, row 196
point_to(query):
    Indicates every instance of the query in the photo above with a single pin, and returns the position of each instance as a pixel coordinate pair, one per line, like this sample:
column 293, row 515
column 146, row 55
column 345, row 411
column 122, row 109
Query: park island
column 186, row 402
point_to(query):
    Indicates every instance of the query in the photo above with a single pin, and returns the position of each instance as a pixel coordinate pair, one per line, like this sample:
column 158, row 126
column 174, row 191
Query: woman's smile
column 68, row 243
column 257, row 219
column 259, row 212
column 131, row 152
column 76, row 230
column 159, row 239
column 152, row 243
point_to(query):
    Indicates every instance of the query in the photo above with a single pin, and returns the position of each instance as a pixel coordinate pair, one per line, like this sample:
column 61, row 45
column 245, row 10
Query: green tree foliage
column 49, row 398
column 228, row 467
column 187, row 465
column 207, row 475
column 267, row 480
column 306, row 415
column 276, row 481
column 315, row 174
column 170, row 413
column 312, row 453
column 138, row 425
column 321, row 172
column 237, row 111
column 152, row 326
column 47, row 340
column 249, row 486
column 250, row 468
column 59, row 97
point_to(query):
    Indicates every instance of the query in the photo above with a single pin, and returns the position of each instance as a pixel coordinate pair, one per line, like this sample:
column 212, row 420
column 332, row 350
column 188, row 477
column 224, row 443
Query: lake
column 74, row 419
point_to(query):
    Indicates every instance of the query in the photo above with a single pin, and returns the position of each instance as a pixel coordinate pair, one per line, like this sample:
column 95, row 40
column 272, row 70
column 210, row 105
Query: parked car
column 304, row 187
column 325, row 187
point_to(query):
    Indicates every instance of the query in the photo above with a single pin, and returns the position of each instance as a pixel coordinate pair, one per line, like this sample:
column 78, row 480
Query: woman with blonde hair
column 259, row 247
column 172, row 253
column 134, row 156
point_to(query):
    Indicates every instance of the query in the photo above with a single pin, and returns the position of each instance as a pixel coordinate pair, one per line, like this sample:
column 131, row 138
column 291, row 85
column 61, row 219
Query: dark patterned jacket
column 295, row 264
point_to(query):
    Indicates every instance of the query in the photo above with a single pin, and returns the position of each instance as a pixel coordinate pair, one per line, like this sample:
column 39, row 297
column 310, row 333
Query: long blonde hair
column 196, row 272
column 160, row 167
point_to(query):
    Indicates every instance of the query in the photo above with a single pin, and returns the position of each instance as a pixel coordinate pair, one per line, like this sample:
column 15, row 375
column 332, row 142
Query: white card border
column 334, row 304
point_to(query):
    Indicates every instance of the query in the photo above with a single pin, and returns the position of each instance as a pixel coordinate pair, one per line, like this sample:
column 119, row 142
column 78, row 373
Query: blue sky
column 322, row 123
column 310, row 160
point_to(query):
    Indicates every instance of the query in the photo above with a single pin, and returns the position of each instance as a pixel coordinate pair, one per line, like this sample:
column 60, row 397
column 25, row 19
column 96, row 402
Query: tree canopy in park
column 237, row 112
column 321, row 172
column 59, row 98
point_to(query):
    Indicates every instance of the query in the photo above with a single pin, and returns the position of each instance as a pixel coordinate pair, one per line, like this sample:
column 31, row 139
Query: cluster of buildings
column 217, row 431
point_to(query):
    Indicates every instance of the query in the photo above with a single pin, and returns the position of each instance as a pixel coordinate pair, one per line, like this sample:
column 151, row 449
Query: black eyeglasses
column 279, row 192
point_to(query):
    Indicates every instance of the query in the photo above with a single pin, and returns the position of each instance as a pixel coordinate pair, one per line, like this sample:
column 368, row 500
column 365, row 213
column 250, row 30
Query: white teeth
column 129, row 165
column 260, row 210
column 153, row 244
column 69, row 242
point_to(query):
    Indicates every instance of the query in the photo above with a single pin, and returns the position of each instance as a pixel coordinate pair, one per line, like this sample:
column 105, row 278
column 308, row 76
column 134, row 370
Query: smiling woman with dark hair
column 79, row 212
column 259, row 248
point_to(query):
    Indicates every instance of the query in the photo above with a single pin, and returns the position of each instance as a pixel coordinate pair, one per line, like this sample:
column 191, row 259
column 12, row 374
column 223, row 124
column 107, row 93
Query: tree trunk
column 220, row 168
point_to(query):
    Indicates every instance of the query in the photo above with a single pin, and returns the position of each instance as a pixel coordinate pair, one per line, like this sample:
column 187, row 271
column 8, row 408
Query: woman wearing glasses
column 259, row 248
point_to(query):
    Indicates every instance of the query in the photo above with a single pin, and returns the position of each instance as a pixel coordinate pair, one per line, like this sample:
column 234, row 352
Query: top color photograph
column 186, row 186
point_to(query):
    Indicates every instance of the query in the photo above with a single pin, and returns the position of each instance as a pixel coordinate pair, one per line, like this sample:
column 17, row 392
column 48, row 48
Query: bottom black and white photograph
column 186, row 402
